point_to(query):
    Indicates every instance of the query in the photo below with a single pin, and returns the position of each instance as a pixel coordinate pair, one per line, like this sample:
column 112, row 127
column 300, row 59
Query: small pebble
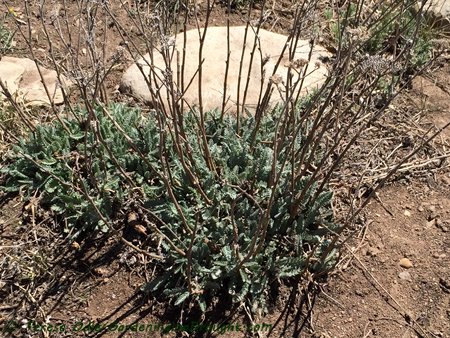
column 431, row 223
column 434, row 214
column 405, row 263
column 359, row 293
column 405, row 275
column 407, row 213
column 371, row 251
column 100, row 271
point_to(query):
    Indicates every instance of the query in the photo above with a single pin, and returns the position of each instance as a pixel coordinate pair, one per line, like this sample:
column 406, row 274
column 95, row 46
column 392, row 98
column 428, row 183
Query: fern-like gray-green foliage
column 6, row 38
column 51, row 160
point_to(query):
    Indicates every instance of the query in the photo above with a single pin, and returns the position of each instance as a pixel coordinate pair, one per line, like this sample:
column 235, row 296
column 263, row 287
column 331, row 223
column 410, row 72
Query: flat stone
column 438, row 12
column 214, row 56
column 21, row 78
column 11, row 74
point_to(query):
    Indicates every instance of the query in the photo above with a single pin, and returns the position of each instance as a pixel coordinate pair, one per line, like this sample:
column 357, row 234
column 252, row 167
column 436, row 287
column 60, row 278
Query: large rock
column 215, row 55
column 22, row 79
column 438, row 12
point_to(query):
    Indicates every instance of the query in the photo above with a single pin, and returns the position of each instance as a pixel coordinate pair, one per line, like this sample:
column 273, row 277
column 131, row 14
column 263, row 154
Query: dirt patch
column 432, row 94
column 374, row 295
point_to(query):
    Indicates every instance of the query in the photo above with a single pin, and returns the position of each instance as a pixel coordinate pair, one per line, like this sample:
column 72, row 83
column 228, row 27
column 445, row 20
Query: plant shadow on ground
column 93, row 269
column 290, row 320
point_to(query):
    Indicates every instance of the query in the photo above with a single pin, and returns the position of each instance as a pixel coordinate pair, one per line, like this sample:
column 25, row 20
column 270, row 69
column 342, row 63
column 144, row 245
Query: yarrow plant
column 238, row 235
column 227, row 205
